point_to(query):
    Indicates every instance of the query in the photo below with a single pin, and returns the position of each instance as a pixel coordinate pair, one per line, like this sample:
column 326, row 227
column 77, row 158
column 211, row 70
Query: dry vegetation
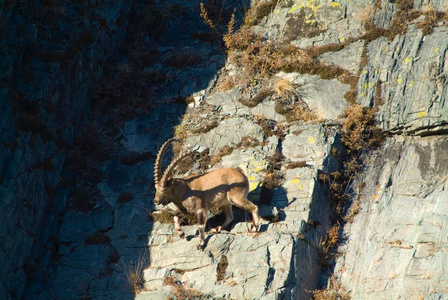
column 326, row 246
column 221, row 269
column 180, row 291
column 134, row 273
column 334, row 291
column 164, row 216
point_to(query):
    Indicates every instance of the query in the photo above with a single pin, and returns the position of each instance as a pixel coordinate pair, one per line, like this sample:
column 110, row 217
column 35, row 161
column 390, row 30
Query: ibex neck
column 180, row 189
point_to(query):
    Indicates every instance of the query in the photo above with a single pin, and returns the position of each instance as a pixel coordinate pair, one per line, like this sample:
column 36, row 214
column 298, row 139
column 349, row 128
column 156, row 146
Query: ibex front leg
column 202, row 220
column 177, row 227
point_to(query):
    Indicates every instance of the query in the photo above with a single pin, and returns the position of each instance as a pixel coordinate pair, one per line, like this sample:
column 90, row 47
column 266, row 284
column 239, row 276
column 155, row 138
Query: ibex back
column 200, row 193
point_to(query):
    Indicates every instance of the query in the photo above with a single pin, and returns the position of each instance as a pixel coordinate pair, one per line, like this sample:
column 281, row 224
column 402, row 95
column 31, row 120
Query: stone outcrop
column 280, row 260
column 396, row 243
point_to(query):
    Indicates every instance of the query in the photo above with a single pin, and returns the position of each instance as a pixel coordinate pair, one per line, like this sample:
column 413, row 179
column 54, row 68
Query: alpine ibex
column 200, row 193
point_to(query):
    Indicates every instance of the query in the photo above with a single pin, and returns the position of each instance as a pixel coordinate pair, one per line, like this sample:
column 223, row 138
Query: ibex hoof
column 200, row 247
column 181, row 234
column 254, row 228
column 216, row 229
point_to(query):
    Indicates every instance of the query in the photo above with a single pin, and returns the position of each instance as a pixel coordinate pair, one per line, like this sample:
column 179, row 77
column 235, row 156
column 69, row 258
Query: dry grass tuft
column 221, row 269
column 134, row 273
column 327, row 246
column 295, row 111
column 269, row 126
column 359, row 128
column 161, row 216
column 432, row 17
column 224, row 151
column 258, row 98
column 286, row 89
column 335, row 291
column 296, row 164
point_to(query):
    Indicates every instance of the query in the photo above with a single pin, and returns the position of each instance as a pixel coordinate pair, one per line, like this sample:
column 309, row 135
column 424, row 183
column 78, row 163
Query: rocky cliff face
column 288, row 93
column 396, row 245
column 50, row 55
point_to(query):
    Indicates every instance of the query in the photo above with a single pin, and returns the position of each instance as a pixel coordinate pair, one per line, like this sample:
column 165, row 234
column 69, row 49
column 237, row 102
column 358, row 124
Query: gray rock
column 227, row 103
column 348, row 58
column 412, row 79
column 404, row 248
column 323, row 97
column 228, row 133
column 267, row 110
column 305, row 143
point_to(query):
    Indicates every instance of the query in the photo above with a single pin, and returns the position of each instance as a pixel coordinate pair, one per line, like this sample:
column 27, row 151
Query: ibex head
column 163, row 181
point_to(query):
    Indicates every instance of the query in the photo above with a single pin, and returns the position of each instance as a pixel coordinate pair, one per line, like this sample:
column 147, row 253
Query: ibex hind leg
column 227, row 210
column 202, row 219
column 245, row 204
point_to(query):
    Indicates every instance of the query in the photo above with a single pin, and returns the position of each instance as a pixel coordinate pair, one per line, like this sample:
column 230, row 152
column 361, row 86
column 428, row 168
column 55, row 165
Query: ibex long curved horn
column 172, row 165
column 158, row 164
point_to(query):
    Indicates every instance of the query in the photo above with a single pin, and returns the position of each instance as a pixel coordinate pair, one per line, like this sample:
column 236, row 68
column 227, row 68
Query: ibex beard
column 200, row 193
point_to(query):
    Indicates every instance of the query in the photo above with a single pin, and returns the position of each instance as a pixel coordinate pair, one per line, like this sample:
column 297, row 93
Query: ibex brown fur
column 200, row 193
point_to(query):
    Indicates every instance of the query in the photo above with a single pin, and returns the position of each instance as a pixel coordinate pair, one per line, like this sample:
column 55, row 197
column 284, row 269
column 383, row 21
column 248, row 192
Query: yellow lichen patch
column 399, row 80
column 254, row 185
column 374, row 197
column 421, row 114
column 313, row 5
column 296, row 182
column 311, row 140
column 257, row 166
column 408, row 59
column 335, row 4
column 294, row 8
column 436, row 50
column 412, row 83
